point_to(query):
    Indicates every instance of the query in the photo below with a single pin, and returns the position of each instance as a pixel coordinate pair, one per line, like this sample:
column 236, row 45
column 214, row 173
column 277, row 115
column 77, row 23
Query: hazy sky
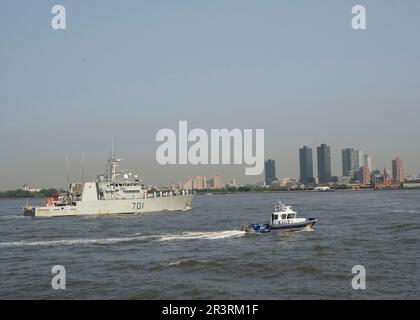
column 129, row 68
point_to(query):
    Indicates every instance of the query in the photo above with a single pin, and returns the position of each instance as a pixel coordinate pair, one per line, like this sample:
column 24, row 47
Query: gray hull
column 126, row 206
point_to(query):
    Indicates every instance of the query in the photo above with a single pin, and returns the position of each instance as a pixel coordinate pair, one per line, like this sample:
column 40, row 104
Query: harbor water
column 203, row 254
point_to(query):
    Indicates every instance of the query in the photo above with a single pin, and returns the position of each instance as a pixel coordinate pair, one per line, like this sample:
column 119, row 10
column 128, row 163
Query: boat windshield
column 279, row 207
column 291, row 216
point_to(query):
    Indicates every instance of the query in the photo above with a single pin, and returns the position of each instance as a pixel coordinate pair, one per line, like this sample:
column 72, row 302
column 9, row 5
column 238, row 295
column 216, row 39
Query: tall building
column 216, row 182
column 324, row 163
column 358, row 160
column 270, row 171
column 368, row 162
column 397, row 171
column 348, row 161
column 306, row 165
column 364, row 175
column 200, row 183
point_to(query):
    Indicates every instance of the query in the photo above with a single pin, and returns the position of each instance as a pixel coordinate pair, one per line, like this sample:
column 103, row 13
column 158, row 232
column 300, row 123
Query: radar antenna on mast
column 112, row 164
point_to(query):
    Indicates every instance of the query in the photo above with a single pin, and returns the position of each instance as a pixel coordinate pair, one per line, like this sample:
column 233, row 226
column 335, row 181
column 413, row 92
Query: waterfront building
column 348, row 161
column 216, row 182
column 397, row 171
column 343, row 180
column 358, row 160
column 287, row 182
column 324, row 163
column 200, row 183
column 270, row 171
column 364, row 175
column 368, row 162
column 25, row 187
column 306, row 165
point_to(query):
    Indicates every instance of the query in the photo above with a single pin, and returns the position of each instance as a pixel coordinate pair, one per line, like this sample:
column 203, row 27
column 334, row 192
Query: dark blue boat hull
column 265, row 228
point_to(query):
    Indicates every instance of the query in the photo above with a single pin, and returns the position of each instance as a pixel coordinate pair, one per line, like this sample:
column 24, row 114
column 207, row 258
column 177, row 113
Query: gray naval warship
column 116, row 192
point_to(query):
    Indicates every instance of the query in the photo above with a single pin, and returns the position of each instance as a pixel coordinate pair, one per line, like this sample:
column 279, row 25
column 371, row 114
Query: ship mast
column 113, row 168
column 113, row 164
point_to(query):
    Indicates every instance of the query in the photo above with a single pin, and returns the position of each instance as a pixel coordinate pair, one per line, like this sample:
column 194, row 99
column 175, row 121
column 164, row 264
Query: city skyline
column 394, row 169
column 363, row 176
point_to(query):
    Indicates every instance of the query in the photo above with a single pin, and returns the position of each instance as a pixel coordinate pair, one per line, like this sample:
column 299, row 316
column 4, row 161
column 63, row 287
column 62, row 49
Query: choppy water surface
column 202, row 254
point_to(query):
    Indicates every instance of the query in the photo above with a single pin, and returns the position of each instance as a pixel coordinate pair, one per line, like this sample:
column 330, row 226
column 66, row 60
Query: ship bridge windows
column 283, row 216
column 291, row 216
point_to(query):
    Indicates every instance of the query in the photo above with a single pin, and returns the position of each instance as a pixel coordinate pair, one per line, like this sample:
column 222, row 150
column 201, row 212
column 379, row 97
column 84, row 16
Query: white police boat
column 283, row 219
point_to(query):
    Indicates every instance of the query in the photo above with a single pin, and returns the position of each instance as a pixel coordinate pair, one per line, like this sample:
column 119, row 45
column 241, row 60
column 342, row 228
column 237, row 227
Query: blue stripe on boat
column 289, row 227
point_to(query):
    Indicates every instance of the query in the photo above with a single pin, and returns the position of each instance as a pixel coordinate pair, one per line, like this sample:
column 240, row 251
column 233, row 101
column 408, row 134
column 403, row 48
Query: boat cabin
column 284, row 214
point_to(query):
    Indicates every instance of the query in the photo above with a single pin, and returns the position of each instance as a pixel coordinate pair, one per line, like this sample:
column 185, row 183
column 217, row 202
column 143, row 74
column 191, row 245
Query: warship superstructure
column 116, row 192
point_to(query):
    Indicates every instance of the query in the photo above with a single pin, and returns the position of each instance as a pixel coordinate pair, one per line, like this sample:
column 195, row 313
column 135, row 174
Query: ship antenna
column 112, row 163
column 112, row 147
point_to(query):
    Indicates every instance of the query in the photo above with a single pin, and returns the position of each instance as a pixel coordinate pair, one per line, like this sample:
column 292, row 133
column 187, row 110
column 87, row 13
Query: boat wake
column 134, row 238
column 68, row 242
column 203, row 235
